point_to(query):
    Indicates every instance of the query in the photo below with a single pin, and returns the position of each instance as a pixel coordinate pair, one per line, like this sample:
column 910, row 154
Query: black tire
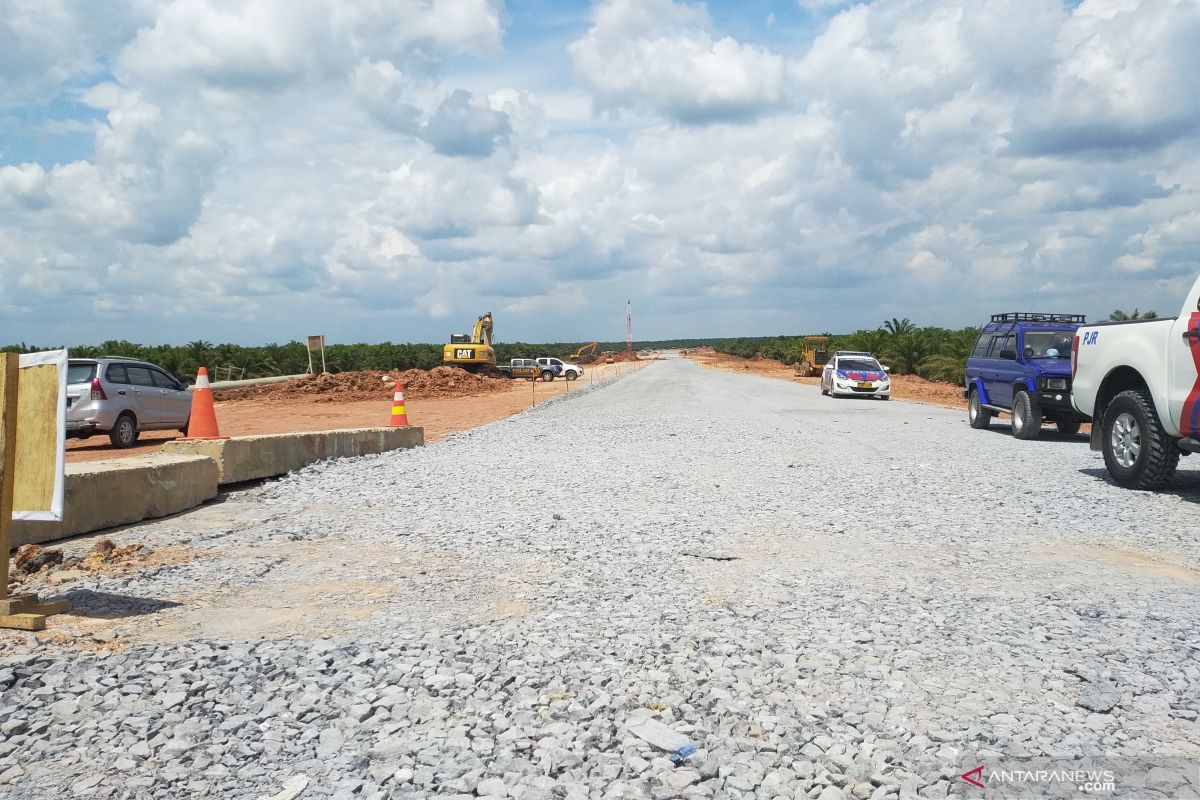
column 1069, row 427
column 978, row 416
column 1155, row 456
column 886, row 397
column 571, row 376
column 547, row 375
column 1026, row 417
column 125, row 433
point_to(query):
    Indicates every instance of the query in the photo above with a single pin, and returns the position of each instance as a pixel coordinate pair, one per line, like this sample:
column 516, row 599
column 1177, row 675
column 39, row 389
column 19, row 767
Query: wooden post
column 10, row 365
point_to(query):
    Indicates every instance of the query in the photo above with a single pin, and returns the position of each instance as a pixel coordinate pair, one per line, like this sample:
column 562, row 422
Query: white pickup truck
column 561, row 368
column 1139, row 381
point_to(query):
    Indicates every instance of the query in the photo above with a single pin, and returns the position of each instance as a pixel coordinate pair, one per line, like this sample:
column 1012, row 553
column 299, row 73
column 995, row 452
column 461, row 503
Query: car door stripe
column 1189, row 420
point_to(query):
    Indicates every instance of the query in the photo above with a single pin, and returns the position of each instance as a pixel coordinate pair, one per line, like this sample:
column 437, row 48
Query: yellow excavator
column 473, row 352
column 585, row 354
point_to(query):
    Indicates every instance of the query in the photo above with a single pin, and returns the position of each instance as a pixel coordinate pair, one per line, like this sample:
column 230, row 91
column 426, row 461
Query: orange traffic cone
column 203, row 422
column 399, row 412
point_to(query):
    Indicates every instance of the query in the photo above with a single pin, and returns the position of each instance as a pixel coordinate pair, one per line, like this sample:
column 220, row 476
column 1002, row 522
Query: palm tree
column 899, row 327
column 1121, row 316
column 867, row 341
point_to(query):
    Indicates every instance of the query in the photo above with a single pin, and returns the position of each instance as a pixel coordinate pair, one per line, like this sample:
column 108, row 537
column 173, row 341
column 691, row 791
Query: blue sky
column 258, row 171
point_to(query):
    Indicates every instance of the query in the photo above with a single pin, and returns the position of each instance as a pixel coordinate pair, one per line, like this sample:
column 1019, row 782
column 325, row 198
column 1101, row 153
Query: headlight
column 1056, row 384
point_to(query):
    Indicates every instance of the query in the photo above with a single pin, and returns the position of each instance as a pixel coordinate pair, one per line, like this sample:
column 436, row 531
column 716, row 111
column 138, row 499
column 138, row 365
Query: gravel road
column 826, row 598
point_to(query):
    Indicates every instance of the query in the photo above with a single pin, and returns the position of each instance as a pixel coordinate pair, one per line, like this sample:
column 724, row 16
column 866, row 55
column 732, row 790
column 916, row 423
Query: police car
column 850, row 373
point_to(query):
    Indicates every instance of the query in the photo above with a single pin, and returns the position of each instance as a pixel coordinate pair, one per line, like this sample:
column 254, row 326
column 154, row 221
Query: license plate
column 865, row 385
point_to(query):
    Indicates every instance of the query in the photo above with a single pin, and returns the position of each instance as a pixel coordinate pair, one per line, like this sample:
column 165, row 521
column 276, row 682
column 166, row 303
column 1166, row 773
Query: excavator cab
column 473, row 352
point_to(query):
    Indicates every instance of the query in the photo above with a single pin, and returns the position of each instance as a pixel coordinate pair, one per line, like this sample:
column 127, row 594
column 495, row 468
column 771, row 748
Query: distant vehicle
column 585, row 354
column 850, row 374
column 610, row 356
column 473, row 352
column 526, row 368
column 123, row 397
column 814, row 357
column 1021, row 366
column 1138, row 380
column 561, row 368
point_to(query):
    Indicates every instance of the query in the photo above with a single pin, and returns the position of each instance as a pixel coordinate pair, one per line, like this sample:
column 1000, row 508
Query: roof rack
column 1028, row 316
column 854, row 353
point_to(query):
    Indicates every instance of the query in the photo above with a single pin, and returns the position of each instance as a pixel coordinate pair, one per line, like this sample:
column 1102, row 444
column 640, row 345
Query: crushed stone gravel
column 898, row 598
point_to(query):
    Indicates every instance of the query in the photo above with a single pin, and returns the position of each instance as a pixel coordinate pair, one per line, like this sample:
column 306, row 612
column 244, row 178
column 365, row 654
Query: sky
column 256, row 171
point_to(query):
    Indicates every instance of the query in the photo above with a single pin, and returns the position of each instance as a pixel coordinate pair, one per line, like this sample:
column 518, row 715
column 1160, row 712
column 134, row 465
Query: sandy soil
column 439, row 417
column 904, row 387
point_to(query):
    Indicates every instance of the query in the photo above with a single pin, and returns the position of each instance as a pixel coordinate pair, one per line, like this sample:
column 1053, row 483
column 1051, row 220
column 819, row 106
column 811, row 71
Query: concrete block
column 246, row 458
column 121, row 491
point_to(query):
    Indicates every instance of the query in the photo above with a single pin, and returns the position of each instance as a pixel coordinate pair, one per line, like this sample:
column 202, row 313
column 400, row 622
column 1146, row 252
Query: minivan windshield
column 80, row 373
column 1047, row 344
column 859, row 365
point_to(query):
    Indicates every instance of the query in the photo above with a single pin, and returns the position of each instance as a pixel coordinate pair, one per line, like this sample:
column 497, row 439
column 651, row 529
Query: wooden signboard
column 41, row 437
column 33, row 401
column 316, row 344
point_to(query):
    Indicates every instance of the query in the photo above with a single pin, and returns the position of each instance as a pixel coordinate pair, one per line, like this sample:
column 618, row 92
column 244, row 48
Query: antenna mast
column 628, row 326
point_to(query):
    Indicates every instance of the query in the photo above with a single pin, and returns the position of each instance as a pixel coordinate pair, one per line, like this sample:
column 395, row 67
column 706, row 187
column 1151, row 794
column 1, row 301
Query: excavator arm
column 585, row 353
column 483, row 330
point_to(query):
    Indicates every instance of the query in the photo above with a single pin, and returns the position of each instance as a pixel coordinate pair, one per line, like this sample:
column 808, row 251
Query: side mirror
column 887, row 369
column 1009, row 354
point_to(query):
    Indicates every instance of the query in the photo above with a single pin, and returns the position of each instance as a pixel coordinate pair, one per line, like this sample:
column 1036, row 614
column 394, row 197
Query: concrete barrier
column 121, row 491
column 246, row 458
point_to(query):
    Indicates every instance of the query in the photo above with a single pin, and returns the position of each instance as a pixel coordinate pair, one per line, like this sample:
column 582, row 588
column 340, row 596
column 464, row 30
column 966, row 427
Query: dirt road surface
column 827, row 599
column 440, row 417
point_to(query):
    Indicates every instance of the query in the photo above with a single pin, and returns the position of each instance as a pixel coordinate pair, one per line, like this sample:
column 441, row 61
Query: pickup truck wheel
column 571, row 376
column 1137, row 451
column 1069, row 427
column 1026, row 419
column 547, row 375
column 977, row 415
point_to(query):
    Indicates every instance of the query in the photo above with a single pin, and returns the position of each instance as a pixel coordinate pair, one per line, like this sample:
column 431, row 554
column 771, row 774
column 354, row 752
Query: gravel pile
column 816, row 598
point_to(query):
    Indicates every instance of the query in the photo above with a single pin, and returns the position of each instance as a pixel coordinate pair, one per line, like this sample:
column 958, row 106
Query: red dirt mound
column 371, row 385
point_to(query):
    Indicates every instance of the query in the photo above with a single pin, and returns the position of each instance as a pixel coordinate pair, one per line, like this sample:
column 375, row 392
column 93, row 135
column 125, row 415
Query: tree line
column 238, row 361
column 931, row 352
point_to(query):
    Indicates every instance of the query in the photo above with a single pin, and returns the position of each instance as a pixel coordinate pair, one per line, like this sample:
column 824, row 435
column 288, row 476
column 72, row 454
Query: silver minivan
column 123, row 397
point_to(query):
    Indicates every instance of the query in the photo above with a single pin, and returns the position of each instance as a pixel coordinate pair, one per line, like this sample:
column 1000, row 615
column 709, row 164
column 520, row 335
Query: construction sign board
column 316, row 344
column 41, row 436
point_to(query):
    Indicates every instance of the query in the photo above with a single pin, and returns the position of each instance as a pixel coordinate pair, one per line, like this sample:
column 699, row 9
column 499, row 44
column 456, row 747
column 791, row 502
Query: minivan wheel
column 124, row 433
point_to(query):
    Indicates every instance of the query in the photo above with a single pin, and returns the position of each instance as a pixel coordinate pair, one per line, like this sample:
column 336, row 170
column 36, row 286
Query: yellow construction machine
column 585, row 354
column 814, row 357
column 473, row 352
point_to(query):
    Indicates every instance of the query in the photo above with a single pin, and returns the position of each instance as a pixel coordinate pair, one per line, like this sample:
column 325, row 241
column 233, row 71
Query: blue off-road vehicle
column 1021, row 366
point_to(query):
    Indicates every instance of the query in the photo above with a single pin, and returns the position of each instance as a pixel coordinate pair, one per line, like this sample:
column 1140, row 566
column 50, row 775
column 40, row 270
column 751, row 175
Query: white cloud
column 382, row 168
column 661, row 56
